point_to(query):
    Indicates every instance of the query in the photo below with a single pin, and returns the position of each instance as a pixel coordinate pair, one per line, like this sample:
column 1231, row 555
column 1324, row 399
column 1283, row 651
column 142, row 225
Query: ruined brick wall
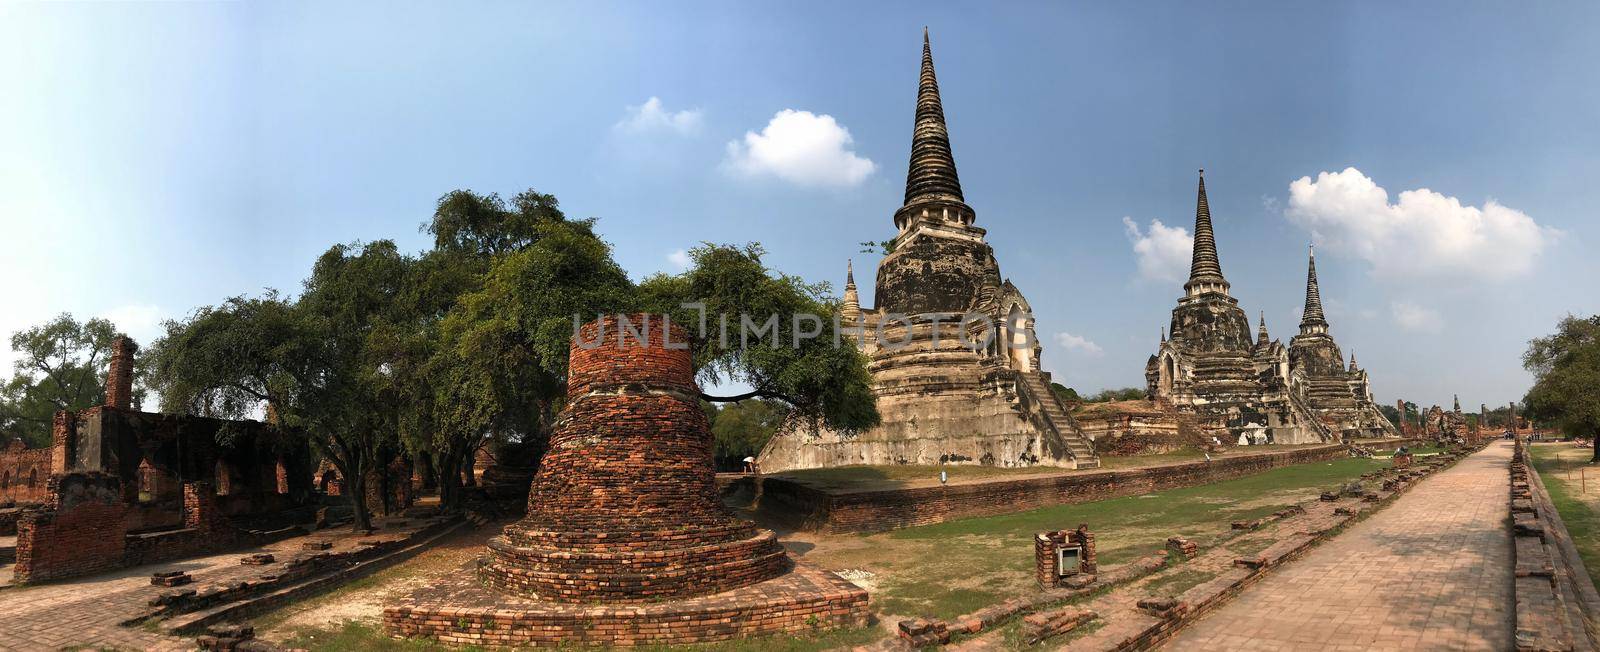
column 205, row 530
column 24, row 473
column 624, row 507
column 79, row 531
column 875, row 511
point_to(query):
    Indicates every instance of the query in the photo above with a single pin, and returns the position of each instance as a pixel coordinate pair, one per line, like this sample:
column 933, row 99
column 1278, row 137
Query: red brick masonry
column 625, row 507
column 626, row 540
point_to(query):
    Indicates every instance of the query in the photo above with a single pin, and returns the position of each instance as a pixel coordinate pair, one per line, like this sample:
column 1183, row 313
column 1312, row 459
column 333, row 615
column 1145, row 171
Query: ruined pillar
column 624, row 507
column 119, row 378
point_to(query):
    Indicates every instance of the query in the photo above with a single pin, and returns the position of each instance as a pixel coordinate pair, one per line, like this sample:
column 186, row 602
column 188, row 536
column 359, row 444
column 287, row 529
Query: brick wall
column 24, row 472
column 875, row 511
column 79, row 531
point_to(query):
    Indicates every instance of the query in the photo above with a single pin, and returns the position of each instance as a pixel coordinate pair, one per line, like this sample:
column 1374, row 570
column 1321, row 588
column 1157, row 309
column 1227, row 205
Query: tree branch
column 754, row 393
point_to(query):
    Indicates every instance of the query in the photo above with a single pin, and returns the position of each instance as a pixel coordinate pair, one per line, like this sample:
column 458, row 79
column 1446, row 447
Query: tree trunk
column 430, row 479
column 450, row 481
column 468, row 474
column 357, row 484
column 1595, row 457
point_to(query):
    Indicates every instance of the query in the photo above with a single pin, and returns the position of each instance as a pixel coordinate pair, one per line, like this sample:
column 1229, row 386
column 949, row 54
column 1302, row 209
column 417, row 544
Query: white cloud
column 1164, row 251
column 802, row 148
column 650, row 117
column 1416, row 318
column 679, row 259
column 1078, row 343
column 1423, row 235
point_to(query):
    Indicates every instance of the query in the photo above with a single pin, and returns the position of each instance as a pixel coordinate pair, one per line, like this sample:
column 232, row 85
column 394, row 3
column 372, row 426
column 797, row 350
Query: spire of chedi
column 932, row 184
column 852, row 301
column 1205, row 271
column 1312, row 321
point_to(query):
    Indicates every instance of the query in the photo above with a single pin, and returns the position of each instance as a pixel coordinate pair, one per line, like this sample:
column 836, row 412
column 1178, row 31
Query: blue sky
column 156, row 157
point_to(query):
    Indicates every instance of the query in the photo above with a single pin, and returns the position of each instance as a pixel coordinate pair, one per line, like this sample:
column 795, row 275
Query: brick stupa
column 626, row 540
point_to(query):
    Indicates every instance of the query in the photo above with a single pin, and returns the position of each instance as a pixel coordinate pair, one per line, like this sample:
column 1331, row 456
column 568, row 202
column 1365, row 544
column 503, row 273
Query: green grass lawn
column 1581, row 513
column 948, row 569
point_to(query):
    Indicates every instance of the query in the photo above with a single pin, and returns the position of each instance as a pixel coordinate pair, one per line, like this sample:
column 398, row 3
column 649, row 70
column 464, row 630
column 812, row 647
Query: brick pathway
column 85, row 612
column 1430, row 572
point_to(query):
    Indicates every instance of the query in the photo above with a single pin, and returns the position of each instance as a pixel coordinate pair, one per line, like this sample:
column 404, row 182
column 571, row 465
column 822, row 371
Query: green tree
column 1391, row 413
column 1066, row 394
column 824, row 382
column 467, row 343
column 325, row 362
column 1566, row 386
column 1123, row 394
column 498, row 370
column 742, row 429
column 60, row 365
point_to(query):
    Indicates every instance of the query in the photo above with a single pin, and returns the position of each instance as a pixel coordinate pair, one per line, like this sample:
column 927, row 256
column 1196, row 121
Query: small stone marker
column 259, row 559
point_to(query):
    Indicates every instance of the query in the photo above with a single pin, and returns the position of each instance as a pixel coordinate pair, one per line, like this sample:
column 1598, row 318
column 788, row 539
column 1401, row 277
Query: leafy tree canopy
column 1566, row 370
column 742, row 429
column 60, row 365
column 439, row 353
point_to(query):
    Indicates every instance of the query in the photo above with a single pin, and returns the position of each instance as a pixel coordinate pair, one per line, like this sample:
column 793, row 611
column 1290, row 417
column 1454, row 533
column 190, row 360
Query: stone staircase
column 1059, row 420
column 1305, row 414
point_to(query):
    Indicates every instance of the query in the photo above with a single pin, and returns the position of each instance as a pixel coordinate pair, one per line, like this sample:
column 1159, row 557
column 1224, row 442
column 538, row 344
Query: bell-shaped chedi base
column 624, row 510
column 624, row 507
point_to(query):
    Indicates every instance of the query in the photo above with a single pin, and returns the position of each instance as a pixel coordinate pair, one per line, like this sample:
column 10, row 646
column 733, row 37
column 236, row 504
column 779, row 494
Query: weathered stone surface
column 1260, row 391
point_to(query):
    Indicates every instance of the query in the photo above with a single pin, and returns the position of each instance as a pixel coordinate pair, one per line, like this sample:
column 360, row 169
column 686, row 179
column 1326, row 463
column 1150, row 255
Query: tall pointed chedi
column 1205, row 268
column 1312, row 321
column 1212, row 367
column 1339, row 395
column 932, row 174
column 951, row 343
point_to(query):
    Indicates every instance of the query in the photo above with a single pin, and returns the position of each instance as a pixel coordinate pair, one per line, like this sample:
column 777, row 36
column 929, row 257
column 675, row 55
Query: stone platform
column 458, row 610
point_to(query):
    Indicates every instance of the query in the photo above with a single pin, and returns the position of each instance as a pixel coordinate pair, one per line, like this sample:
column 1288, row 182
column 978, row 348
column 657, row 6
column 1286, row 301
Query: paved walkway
column 1430, row 572
column 83, row 613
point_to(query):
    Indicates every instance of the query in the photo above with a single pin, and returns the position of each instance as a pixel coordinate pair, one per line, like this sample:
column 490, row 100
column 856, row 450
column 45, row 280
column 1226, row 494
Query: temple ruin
column 121, row 487
column 953, row 352
column 1256, row 390
column 626, row 541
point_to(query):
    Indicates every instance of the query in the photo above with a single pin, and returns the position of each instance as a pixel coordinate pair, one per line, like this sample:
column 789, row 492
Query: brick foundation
column 458, row 611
